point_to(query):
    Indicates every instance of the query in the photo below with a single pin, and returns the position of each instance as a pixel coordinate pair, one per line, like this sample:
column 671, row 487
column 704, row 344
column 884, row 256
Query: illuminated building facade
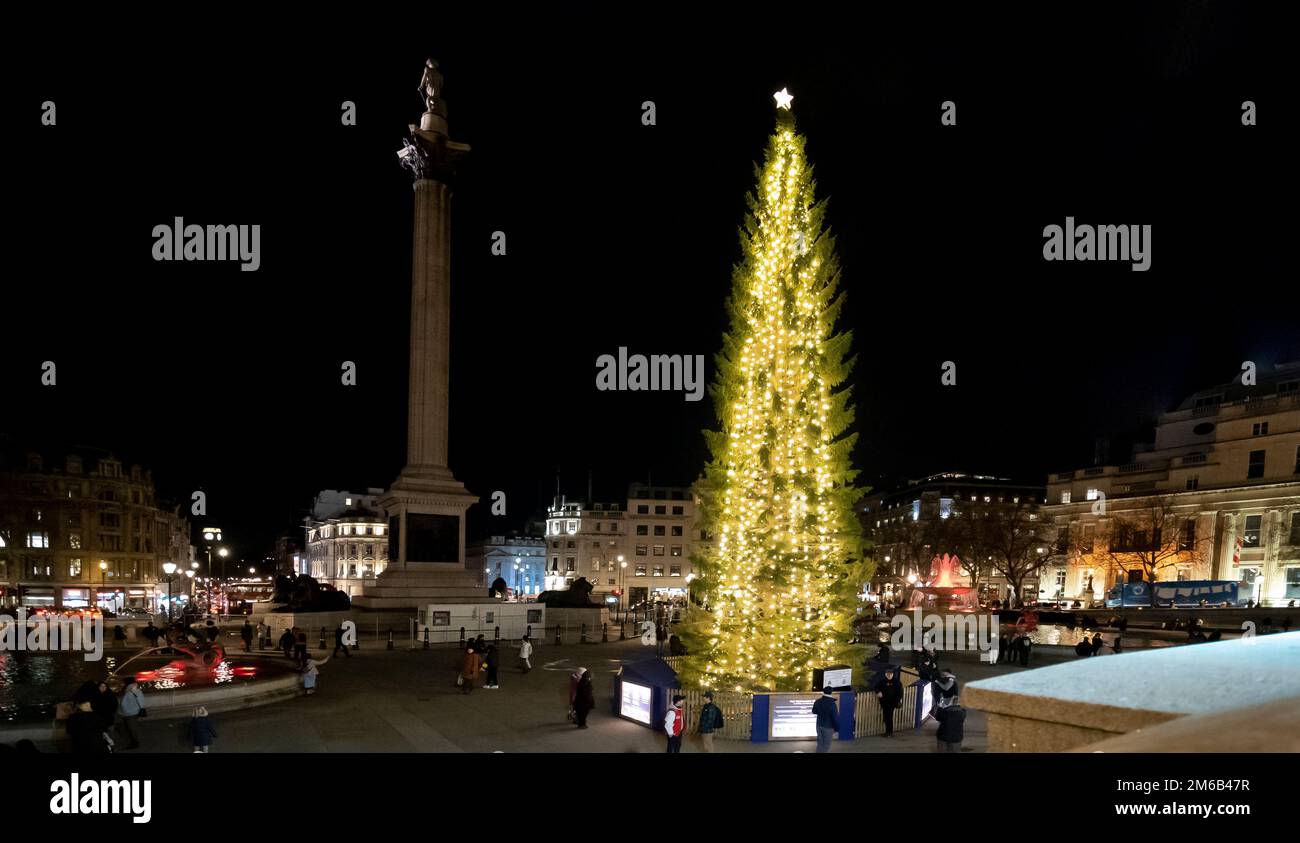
column 346, row 540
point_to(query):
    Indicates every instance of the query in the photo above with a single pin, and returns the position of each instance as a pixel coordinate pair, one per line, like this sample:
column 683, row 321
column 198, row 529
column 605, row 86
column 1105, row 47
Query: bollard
column 496, row 635
column 462, row 637
column 426, row 638
column 322, row 638
column 622, row 630
column 604, row 633
column 583, row 639
column 557, row 633
column 390, row 639
column 528, row 632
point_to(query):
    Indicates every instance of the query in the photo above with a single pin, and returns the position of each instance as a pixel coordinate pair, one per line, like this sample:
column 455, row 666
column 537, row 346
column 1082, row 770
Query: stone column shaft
column 427, row 416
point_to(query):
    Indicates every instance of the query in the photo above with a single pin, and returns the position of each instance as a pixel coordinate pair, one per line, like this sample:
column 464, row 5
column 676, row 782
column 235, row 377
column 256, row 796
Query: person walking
column 338, row 643
column 246, row 633
column 86, row 731
column 131, row 707
column 661, row 635
column 1024, row 648
column 480, row 646
column 309, row 673
column 201, row 730
column 300, row 647
column 710, row 721
column 952, row 720
column 287, row 642
column 151, row 633
column 493, row 662
column 525, row 654
column 827, row 715
column 211, row 630
column 119, row 636
column 890, row 696
column 584, row 698
column 945, row 689
column 674, row 720
column 469, row 669
column 1097, row 644
column 104, row 704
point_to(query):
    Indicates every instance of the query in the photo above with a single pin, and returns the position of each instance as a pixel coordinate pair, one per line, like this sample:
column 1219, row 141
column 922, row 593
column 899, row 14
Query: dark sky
column 625, row 235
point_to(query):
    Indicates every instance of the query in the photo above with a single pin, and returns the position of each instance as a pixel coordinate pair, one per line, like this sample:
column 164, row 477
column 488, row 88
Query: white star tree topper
column 783, row 99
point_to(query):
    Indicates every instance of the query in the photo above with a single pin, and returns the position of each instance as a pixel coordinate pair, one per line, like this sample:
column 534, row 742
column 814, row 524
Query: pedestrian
column 1005, row 650
column 309, row 673
column 525, row 654
column 300, row 647
column 1025, row 647
column 86, row 731
column 131, row 707
column 211, row 630
column 246, row 633
column 827, row 715
column 710, row 721
column 945, row 689
column 480, row 646
column 151, row 633
column 338, row 643
column 493, row 662
column 674, row 720
column 1097, row 644
column 104, row 704
column 890, row 696
column 119, row 636
column 287, row 642
column 661, row 635
column 469, row 669
column 1083, row 648
column 584, row 698
column 952, row 719
column 201, row 730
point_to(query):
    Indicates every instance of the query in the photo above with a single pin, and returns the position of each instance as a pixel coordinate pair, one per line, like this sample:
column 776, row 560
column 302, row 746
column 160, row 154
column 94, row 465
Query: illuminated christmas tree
column 777, row 587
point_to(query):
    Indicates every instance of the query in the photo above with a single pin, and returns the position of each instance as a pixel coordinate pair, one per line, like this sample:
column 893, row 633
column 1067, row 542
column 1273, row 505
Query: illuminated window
column 1092, row 494
column 74, row 541
column 74, row 567
column 38, row 539
column 675, row 550
column 640, row 571
column 1065, row 497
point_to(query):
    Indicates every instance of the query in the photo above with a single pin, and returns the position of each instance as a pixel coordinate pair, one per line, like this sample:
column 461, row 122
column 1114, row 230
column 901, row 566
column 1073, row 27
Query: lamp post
column 169, row 568
column 622, row 584
column 103, row 574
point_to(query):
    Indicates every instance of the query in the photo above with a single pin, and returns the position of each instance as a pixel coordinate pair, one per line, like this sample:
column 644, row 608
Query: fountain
column 939, row 594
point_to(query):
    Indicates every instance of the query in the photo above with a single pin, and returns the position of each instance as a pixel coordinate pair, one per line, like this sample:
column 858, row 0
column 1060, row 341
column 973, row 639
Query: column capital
column 431, row 155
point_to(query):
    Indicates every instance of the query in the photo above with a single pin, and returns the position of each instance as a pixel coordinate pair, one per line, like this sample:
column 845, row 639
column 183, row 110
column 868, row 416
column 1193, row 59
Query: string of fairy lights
column 777, row 525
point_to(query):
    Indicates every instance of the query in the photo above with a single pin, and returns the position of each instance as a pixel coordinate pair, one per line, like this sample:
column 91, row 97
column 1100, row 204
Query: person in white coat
column 525, row 654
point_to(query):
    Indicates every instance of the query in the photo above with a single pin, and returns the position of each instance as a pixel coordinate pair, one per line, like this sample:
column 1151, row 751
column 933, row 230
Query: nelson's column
column 426, row 505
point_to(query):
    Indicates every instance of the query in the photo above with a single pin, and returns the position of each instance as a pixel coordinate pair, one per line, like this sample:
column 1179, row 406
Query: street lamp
column 622, row 587
column 169, row 568
column 103, row 574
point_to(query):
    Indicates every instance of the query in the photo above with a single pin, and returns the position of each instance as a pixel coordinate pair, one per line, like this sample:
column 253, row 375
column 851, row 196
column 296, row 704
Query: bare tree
column 1151, row 538
column 1013, row 540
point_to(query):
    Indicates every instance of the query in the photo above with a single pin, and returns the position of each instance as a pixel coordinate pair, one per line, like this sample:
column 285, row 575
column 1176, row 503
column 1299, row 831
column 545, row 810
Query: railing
column 737, row 713
column 868, row 719
column 1193, row 459
column 1140, row 467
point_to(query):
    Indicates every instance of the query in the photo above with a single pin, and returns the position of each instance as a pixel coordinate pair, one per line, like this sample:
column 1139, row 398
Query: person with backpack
column 710, row 721
column 674, row 722
column 201, row 730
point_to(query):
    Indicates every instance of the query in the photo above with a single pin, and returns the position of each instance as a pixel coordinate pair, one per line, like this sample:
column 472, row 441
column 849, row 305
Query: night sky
column 624, row 235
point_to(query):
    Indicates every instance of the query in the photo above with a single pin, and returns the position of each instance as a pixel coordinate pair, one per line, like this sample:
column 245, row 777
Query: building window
column 613, row 527
column 1092, row 494
column 642, row 529
column 595, row 566
column 1193, row 482
column 568, row 564
column 572, row 544
column 110, row 520
column 642, row 509
column 74, row 567
column 74, row 541
column 641, row 550
column 595, row 545
column 1065, row 497
column 659, row 550
column 661, row 510
column 675, row 550
column 1256, row 468
column 640, row 571
column 573, row 527
column 609, row 566
column 677, row 510
column 1188, row 539
column 1259, row 429
column 1292, row 582
column 677, row 529
column 674, row 570
column 1250, row 536
column 658, row 570
column 1297, row 459
column 555, row 563
column 659, row 529
column 1295, row 529
column 38, row 539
